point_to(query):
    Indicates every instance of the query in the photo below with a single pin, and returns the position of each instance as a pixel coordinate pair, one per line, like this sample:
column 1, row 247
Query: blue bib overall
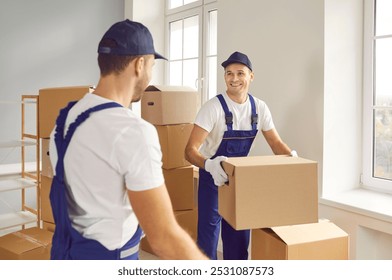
column 67, row 243
column 235, row 143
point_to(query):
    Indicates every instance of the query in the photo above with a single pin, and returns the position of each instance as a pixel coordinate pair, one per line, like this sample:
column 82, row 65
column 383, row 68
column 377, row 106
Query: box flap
column 305, row 233
column 90, row 87
column 168, row 88
column 266, row 160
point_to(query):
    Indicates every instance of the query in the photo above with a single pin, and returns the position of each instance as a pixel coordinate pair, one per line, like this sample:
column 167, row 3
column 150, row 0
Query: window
column 192, row 45
column 378, row 95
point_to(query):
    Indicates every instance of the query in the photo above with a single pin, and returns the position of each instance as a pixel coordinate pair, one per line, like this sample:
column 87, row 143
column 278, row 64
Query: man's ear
column 139, row 65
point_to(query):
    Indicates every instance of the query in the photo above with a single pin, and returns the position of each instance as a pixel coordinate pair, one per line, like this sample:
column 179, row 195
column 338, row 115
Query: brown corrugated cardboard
column 46, row 208
column 47, row 169
column 163, row 105
column 316, row 241
column 173, row 139
column 181, row 187
column 52, row 100
column 26, row 244
column 186, row 219
column 267, row 191
column 48, row 226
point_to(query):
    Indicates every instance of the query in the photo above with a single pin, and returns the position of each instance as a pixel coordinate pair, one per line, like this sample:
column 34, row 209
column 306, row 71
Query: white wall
column 48, row 43
column 152, row 14
column 284, row 40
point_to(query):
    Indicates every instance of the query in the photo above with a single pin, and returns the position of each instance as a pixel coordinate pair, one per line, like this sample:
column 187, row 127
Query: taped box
column 26, row 244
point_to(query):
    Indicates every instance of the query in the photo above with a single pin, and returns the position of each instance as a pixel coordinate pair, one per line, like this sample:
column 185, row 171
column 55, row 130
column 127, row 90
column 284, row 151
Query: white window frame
column 368, row 181
column 200, row 8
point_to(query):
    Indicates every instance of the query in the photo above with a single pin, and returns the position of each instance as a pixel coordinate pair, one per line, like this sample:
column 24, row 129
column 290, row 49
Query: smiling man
column 225, row 127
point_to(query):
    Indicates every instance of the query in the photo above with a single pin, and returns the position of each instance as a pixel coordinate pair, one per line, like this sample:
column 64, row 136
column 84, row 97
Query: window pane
column 175, row 40
column 191, row 37
column 212, row 33
column 191, row 70
column 211, row 72
column 175, row 73
column 174, row 3
column 383, row 17
column 383, row 144
column 383, row 67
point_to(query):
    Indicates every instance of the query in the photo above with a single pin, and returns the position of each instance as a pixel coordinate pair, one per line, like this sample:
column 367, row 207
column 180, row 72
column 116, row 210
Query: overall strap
column 62, row 141
column 255, row 116
column 228, row 114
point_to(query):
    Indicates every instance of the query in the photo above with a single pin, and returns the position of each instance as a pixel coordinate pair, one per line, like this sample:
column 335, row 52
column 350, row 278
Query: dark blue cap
column 238, row 57
column 132, row 38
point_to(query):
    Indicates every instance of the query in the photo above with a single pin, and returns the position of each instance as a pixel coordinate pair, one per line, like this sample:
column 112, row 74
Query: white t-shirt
column 211, row 117
column 112, row 151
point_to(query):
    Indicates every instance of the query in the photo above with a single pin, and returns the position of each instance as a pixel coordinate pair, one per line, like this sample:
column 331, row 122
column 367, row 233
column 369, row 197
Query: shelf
column 17, row 143
column 16, row 184
column 17, row 219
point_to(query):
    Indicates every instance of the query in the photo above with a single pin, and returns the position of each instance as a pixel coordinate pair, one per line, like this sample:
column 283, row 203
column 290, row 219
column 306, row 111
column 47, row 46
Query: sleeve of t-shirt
column 266, row 122
column 206, row 117
column 140, row 157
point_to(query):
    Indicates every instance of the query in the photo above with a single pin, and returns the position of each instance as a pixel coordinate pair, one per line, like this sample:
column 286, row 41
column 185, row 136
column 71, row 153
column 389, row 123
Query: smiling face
column 238, row 78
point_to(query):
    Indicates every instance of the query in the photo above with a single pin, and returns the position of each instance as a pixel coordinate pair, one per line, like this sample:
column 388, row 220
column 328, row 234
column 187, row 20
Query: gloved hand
column 215, row 168
column 293, row 153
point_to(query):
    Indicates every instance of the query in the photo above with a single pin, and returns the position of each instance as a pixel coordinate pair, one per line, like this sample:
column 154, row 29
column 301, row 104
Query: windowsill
column 362, row 201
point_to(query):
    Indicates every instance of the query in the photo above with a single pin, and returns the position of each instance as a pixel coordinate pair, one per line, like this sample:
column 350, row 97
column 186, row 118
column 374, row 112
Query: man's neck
column 239, row 98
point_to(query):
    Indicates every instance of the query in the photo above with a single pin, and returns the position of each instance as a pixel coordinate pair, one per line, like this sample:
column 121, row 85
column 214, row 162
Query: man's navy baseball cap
column 238, row 57
column 132, row 38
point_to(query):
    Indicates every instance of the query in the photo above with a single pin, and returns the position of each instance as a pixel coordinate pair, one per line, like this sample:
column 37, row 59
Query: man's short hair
column 112, row 63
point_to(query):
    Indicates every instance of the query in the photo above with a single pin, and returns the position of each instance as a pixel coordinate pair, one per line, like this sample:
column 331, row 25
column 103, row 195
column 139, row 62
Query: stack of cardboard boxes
column 172, row 111
column 51, row 101
column 277, row 198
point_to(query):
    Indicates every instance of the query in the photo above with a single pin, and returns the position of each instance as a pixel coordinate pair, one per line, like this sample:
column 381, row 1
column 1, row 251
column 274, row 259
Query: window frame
column 200, row 8
column 368, row 180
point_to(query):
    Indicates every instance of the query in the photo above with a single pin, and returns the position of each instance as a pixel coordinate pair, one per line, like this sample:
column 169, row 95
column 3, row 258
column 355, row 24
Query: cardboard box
column 46, row 208
column 47, row 169
column 186, row 219
column 317, row 241
column 48, row 226
column 268, row 191
column 163, row 105
column 52, row 100
column 180, row 185
column 173, row 139
column 26, row 244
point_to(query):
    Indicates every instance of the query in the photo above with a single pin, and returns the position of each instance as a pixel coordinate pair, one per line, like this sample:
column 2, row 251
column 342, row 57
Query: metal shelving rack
column 27, row 214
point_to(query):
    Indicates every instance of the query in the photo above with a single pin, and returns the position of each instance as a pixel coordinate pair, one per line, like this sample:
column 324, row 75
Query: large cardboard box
column 163, row 105
column 47, row 169
column 186, row 219
column 46, row 208
column 52, row 100
column 26, row 244
column 316, row 241
column 173, row 139
column 181, row 186
column 268, row 191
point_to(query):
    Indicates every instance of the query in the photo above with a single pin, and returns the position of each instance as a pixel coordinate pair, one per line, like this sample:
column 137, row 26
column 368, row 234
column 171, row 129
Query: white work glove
column 214, row 167
column 293, row 153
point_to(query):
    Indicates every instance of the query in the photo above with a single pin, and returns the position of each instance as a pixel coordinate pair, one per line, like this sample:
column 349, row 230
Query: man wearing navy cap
column 108, row 186
column 225, row 127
